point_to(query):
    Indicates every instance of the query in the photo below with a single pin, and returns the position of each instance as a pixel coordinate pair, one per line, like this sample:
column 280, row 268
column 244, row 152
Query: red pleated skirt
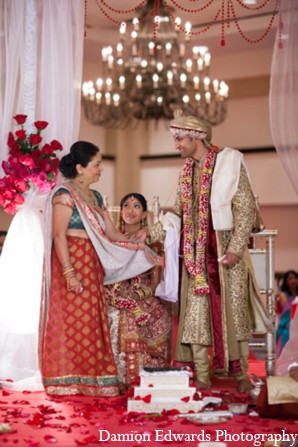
column 77, row 354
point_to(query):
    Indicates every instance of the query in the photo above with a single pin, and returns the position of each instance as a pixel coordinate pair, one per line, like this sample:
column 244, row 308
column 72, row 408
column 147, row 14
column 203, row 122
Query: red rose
column 21, row 185
column 10, row 140
column 10, row 208
column 27, row 161
column 56, row 145
column 6, row 167
column 2, row 200
column 35, row 139
column 9, row 194
column 40, row 125
column 35, row 154
column 23, row 173
column 47, row 149
column 15, row 151
column 18, row 200
column 20, row 119
column 21, row 134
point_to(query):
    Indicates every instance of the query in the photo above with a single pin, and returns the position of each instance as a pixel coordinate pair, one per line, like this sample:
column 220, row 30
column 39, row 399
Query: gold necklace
column 90, row 195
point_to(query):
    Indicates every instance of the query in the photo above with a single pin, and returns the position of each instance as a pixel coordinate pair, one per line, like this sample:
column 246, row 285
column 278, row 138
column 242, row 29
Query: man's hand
column 294, row 373
column 230, row 260
column 141, row 235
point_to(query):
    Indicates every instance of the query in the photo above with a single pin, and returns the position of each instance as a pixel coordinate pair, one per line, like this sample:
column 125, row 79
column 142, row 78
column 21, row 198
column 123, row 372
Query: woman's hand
column 130, row 295
column 103, row 212
column 74, row 285
column 140, row 235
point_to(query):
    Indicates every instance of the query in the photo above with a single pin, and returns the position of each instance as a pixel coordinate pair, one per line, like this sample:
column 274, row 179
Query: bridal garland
column 195, row 262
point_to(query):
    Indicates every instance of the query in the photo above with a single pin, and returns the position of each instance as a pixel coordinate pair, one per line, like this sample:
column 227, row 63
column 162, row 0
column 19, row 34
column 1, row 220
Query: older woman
column 81, row 252
column 140, row 323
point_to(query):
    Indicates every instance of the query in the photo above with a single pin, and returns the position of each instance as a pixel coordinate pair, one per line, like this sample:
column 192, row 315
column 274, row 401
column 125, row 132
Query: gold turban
column 192, row 127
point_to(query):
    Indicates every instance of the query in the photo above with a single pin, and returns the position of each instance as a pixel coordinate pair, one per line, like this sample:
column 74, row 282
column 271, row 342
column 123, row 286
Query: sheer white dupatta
column 41, row 55
column 283, row 96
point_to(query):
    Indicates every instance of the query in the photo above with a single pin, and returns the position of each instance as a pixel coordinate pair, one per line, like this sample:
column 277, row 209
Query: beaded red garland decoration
column 226, row 10
column 195, row 261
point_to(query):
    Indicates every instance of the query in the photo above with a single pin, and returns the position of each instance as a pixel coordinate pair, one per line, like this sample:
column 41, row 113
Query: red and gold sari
column 139, row 345
column 75, row 351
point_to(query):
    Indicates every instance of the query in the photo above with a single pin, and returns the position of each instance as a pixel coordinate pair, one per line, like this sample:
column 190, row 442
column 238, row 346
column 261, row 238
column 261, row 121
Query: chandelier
column 154, row 75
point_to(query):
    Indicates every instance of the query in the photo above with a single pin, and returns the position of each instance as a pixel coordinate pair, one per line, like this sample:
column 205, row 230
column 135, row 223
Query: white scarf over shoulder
column 224, row 186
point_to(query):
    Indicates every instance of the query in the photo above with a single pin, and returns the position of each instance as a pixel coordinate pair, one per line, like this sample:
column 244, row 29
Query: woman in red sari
column 80, row 253
column 140, row 322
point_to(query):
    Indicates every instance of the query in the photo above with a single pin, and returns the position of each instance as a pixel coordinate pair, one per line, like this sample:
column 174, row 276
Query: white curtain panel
column 41, row 51
column 283, row 98
column 41, row 55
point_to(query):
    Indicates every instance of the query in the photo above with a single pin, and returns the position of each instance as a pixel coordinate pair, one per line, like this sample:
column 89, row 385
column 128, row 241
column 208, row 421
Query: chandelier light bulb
column 109, row 84
column 110, row 62
column 168, row 48
column 185, row 98
column 98, row 97
column 208, row 97
column 85, row 89
column 207, row 59
column 99, row 84
column 159, row 100
column 90, row 84
column 122, row 82
column 170, row 77
column 206, row 83
column 104, row 54
column 183, row 79
column 134, row 35
column 119, row 49
column 177, row 23
column 159, row 66
column 135, row 23
column 122, row 28
column 181, row 50
column 155, row 78
column 196, row 81
column 139, row 81
column 188, row 65
column 198, row 97
column 108, row 98
column 116, row 98
column 144, row 63
column 120, row 61
column 215, row 85
column 151, row 48
column 92, row 93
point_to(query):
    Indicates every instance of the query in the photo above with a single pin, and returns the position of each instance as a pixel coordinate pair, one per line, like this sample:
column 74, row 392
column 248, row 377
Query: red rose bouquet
column 28, row 165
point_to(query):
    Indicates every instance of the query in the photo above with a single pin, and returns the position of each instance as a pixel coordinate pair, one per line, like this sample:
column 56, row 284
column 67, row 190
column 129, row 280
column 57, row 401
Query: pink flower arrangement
column 27, row 165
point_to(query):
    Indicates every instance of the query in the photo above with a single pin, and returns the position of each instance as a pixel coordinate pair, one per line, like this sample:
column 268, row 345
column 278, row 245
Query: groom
column 218, row 290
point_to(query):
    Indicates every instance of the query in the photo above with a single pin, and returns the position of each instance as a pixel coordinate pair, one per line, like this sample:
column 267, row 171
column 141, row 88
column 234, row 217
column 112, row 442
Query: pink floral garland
column 195, row 262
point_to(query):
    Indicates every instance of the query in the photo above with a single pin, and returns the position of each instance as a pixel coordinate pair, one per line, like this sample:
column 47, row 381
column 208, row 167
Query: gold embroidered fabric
column 243, row 208
column 282, row 390
column 64, row 199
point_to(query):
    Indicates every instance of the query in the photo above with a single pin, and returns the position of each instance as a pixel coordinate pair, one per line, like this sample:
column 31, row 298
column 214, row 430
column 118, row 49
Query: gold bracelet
column 66, row 272
column 139, row 295
column 147, row 292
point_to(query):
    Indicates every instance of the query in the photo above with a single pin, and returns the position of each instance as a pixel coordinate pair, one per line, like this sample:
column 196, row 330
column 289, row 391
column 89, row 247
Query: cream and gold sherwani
column 242, row 311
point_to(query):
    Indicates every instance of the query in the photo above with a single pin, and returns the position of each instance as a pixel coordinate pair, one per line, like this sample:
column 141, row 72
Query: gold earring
column 81, row 178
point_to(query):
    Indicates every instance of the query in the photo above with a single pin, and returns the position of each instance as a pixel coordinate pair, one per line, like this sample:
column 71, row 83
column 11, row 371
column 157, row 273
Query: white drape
column 283, row 97
column 41, row 52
